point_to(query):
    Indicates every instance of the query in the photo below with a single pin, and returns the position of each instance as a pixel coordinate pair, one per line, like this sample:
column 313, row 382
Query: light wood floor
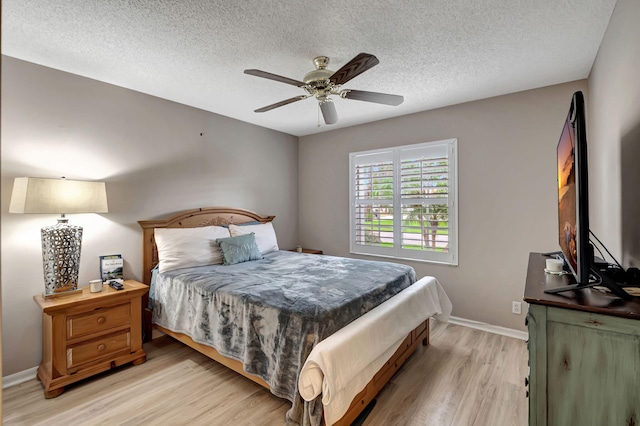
column 465, row 377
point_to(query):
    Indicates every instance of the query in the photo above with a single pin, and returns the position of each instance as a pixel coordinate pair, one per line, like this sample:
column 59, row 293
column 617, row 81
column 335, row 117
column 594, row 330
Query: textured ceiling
column 433, row 52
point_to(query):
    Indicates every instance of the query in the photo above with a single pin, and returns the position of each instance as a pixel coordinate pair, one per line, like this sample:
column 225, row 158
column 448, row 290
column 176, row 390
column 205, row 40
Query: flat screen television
column 573, row 204
column 573, row 194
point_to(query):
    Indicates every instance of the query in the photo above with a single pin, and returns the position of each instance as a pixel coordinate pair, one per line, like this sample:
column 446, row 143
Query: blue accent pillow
column 239, row 249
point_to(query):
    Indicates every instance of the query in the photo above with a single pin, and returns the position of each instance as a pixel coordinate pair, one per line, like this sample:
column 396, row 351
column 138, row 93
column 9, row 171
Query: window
column 403, row 202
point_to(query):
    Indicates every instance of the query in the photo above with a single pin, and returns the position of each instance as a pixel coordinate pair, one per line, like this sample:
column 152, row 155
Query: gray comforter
column 269, row 314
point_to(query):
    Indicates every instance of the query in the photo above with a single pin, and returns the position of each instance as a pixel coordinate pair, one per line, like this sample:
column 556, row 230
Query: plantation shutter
column 373, row 183
column 403, row 202
column 424, row 193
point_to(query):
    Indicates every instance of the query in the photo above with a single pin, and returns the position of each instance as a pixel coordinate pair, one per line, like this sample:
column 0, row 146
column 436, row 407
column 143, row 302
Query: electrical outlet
column 516, row 308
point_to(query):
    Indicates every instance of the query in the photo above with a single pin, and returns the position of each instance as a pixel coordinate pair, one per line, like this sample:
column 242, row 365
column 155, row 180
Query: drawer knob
column 101, row 320
column 102, row 347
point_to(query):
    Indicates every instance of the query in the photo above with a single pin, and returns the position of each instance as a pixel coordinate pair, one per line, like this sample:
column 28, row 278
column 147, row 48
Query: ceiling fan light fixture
column 323, row 82
column 328, row 110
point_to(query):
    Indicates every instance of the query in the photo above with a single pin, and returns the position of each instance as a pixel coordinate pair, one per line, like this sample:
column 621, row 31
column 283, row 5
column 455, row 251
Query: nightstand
column 87, row 333
column 309, row 251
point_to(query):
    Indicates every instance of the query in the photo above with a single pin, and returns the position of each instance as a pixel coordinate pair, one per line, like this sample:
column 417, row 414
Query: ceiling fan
column 323, row 82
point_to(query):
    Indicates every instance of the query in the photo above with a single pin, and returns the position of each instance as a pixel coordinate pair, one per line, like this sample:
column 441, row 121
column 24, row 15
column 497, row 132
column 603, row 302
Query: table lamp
column 61, row 242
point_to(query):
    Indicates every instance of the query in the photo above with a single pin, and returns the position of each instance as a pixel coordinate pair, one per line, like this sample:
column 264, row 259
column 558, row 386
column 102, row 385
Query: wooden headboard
column 190, row 219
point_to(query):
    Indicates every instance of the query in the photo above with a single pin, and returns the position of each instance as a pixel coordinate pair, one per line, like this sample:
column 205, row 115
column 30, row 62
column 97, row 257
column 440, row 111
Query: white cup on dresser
column 96, row 286
column 554, row 265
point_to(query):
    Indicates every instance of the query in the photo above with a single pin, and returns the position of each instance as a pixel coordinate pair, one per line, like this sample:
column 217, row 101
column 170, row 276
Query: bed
column 310, row 368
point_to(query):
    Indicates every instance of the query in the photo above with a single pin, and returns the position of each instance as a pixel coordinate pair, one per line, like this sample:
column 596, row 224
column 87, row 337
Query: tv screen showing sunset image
column 567, row 195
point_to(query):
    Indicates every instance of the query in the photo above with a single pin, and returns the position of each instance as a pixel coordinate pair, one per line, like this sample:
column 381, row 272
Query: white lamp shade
column 57, row 196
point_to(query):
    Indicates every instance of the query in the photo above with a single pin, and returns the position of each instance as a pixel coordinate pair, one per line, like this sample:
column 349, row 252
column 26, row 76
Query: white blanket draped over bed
column 340, row 366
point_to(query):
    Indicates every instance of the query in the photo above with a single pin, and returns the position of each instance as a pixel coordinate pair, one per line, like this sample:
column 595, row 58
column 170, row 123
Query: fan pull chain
column 318, row 116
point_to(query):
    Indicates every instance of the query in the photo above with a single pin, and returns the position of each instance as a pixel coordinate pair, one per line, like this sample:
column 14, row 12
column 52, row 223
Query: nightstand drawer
column 99, row 320
column 97, row 349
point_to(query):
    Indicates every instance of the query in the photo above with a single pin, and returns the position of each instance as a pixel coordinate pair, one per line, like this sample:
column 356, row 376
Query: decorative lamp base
column 61, row 294
column 61, row 244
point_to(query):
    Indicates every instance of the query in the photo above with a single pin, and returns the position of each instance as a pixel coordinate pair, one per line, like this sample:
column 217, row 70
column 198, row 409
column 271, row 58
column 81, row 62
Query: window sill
column 435, row 262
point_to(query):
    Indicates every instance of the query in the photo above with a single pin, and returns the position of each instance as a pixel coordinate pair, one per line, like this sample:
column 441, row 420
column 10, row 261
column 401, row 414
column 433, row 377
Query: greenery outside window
column 403, row 202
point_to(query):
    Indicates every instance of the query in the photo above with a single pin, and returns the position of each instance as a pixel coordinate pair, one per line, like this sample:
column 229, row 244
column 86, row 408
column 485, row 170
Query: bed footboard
column 382, row 377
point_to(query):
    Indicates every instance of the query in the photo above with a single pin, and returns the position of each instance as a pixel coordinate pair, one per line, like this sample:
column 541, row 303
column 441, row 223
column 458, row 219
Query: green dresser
column 584, row 354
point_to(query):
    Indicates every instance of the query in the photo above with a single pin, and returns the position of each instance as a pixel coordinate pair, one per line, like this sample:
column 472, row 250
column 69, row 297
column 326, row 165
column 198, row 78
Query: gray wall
column 507, row 191
column 614, row 136
column 151, row 154
column 154, row 160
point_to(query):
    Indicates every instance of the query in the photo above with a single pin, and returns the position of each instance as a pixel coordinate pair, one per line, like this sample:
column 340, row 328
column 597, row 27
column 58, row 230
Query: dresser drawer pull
column 101, row 320
column 102, row 347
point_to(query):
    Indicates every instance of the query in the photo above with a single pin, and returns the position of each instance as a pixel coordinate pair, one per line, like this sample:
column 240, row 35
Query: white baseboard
column 509, row 332
column 20, row 377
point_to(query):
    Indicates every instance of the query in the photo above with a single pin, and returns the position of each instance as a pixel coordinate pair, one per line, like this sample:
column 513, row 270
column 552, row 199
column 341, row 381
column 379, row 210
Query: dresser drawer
column 96, row 349
column 99, row 320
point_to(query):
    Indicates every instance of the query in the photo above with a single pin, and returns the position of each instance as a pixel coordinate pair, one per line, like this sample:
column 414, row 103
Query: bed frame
column 226, row 216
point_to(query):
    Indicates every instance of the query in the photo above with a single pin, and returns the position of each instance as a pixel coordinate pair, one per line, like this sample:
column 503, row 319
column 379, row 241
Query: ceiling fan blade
column 379, row 98
column 354, row 68
column 275, row 77
column 329, row 111
column 281, row 103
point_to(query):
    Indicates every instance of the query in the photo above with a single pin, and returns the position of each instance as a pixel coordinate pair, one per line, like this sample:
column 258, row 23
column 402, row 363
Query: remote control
column 116, row 285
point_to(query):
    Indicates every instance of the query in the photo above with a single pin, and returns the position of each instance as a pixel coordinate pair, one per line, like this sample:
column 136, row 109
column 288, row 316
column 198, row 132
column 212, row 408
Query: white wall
column 507, row 191
column 154, row 160
column 614, row 136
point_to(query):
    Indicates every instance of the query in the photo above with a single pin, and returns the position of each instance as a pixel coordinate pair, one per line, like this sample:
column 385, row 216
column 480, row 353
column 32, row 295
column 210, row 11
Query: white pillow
column 187, row 247
column 265, row 235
